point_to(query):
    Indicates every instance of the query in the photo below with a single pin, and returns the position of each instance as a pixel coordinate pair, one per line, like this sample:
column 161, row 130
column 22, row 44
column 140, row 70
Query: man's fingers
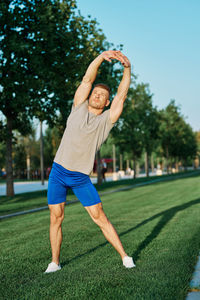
column 122, row 58
column 118, row 55
column 127, row 61
column 111, row 56
column 108, row 59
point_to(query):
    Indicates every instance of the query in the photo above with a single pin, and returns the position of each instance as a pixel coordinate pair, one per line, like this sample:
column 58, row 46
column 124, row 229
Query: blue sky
column 162, row 41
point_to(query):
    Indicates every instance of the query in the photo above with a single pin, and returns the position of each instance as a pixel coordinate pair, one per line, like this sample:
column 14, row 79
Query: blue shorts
column 61, row 179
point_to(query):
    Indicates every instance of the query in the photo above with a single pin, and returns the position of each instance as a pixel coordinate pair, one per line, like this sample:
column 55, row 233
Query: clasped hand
column 118, row 55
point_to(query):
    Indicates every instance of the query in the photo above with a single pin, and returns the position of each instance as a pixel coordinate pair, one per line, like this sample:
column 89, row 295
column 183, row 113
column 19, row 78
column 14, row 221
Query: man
column 103, row 169
column 87, row 128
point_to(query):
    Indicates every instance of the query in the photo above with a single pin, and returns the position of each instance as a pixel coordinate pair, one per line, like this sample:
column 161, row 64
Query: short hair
column 103, row 85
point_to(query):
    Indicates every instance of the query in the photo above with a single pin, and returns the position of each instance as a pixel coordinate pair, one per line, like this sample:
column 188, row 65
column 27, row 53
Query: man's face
column 99, row 98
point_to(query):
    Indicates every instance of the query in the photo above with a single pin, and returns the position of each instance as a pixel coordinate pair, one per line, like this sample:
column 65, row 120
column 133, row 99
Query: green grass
column 158, row 225
column 31, row 200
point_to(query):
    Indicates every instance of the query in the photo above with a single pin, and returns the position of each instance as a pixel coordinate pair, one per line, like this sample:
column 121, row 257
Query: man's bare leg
column 56, row 218
column 98, row 216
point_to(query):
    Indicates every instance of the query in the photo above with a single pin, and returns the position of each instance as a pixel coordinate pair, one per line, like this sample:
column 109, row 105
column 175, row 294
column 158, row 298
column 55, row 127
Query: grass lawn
column 158, row 225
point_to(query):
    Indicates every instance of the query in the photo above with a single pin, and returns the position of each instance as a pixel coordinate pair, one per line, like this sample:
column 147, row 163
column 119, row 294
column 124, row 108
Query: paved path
column 24, row 187
column 195, row 283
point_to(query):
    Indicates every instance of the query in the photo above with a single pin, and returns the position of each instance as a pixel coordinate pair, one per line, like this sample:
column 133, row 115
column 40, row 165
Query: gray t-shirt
column 83, row 136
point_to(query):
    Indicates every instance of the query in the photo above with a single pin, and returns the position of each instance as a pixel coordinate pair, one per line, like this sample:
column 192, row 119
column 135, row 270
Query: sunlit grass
column 158, row 225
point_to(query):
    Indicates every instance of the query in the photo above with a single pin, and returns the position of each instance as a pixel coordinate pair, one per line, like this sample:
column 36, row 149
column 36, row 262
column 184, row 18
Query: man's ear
column 107, row 103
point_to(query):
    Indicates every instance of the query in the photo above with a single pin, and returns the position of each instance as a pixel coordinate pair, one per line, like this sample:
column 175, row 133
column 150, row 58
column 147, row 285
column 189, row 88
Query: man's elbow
column 86, row 79
column 122, row 96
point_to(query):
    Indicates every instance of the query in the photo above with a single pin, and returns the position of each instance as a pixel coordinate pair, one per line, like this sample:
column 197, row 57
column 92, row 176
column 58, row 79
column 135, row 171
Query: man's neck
column 94, row 110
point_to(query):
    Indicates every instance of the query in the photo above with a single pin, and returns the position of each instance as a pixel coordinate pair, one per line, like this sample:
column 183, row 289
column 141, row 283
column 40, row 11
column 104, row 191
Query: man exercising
column 87, row 128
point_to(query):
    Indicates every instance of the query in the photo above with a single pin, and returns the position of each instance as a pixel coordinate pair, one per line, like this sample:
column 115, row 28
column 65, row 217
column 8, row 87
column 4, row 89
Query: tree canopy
column 46, row 47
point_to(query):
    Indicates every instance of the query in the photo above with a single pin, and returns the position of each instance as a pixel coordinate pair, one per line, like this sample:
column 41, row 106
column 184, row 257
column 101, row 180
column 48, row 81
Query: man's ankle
column 55, row 261
column 122, row 256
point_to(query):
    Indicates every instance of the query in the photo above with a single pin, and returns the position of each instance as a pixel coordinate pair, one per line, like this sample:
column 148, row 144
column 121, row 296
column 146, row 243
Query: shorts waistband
column 66, row 171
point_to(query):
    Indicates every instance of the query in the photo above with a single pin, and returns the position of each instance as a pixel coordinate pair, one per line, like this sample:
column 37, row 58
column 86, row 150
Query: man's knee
column 56, row 213
column 56, row 220
column 97, row 214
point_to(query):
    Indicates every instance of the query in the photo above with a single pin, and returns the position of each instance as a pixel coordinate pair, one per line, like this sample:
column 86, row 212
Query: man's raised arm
column 85, row 87
column 118, row 101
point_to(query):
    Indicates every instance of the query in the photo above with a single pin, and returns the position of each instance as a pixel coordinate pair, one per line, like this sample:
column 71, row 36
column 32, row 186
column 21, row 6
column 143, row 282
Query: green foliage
column 197, row 135
column 106, row 148
column 51, row 144
column 138, row 125
column 46, row 48
column 19, row 159
column 176, row 136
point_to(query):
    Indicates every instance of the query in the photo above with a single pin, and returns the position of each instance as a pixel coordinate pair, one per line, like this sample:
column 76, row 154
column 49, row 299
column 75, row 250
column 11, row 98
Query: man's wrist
column 100, row 58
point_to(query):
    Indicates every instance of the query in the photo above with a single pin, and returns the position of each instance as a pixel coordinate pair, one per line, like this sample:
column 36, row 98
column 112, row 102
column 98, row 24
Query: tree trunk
column 167, row 159
column 152, row 163
column 137, row 168
column 134, row 167
column 121, row 162
column 114, row 159
column 163, row 163
column 147, row 164
column 196, row 162
column 176, row 164
column 9, row 166
column 41, row 154
column 127, row 164
column 99, row 176
column 28, row 166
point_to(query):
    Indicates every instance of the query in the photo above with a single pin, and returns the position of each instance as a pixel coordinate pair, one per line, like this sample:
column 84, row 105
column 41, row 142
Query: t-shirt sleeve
column 105, row 127
column 75, row 108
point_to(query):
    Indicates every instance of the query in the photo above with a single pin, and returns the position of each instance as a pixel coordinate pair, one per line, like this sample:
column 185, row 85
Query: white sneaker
column 128, row 262
column 52, row 267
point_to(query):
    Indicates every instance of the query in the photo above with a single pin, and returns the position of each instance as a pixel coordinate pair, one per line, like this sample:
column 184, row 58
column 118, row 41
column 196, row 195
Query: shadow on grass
column 166, row 215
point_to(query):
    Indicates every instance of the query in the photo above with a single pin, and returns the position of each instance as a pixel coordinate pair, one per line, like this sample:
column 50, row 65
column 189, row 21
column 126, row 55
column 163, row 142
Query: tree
column 138, row 125
column 186, row 144
column 177, row 138
column 197, row 134
column 148, row 119
column 45, row 49
column 127, row 133
column 169, row 127
column 24, row 153
column 51, row 143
